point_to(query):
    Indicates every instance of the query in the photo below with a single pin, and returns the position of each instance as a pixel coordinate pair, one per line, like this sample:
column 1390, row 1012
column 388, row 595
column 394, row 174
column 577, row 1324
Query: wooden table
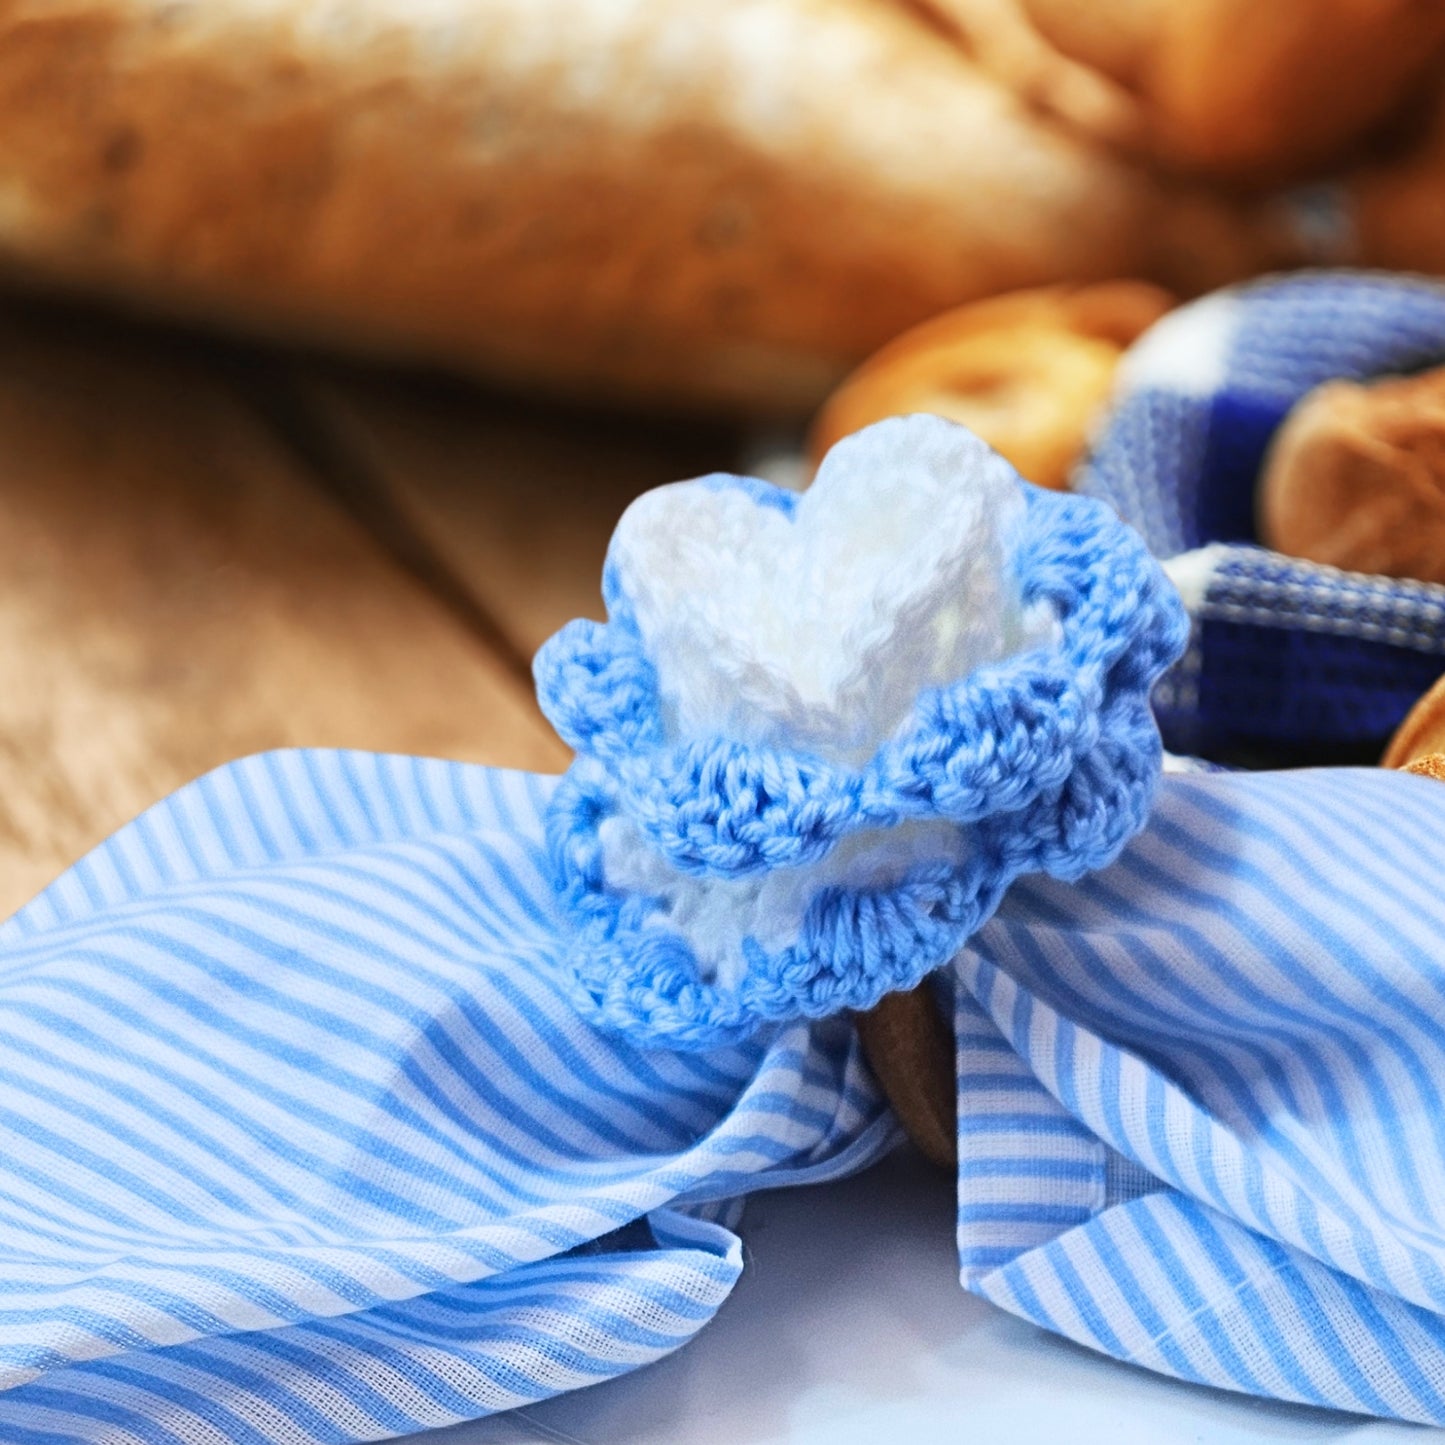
column 210, row 549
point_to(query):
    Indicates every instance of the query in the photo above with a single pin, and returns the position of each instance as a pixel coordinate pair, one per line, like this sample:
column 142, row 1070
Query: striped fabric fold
column 1202, row 1094
column 302, row 1141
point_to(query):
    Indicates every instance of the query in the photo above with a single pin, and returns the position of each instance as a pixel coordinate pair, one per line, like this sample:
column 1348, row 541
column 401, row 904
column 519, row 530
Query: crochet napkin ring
column 821, row 734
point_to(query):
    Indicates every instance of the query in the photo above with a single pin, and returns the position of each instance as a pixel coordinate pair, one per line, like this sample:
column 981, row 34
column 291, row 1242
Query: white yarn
column 1192, row 572
column 715, row 915
column 1185, row 352
column 817, row 633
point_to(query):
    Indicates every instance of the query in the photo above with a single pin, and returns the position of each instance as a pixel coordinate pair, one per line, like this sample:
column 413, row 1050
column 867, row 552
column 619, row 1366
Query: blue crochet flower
column 820, row 735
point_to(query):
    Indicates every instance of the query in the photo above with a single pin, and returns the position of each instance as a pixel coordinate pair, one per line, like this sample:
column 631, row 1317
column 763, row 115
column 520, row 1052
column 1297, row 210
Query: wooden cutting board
column 208, row 551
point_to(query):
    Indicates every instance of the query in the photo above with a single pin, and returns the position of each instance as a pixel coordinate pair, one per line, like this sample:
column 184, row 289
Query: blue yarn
column 1045, row 761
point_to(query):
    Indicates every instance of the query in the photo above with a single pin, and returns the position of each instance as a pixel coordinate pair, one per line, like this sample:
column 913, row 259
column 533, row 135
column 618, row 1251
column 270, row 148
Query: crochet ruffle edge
column 1047, row 761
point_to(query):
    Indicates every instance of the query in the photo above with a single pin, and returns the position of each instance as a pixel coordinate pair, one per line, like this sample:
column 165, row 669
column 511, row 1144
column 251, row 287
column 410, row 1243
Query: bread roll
column 1422, row 735
column 1030, row 372
column 1355, row 478
column 1250, row 90
column 677, row 200
column 1432, row 765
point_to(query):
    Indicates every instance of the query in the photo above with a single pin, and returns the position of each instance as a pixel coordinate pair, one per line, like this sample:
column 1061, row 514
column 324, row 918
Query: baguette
column 672, row 200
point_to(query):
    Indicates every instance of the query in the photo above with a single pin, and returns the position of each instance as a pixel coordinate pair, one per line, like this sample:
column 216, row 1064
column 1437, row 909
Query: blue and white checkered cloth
column 301, row 1140
column 1288, row 659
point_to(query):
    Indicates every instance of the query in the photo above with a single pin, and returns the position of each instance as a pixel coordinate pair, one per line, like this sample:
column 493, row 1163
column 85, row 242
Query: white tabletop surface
column 849, row 1327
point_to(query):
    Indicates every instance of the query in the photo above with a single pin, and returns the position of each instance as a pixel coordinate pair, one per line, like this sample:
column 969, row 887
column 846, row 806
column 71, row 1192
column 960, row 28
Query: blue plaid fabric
column 1287, row 658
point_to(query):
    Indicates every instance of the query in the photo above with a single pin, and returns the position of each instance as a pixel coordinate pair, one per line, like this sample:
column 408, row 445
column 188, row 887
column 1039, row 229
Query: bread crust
column 1355, row 478
column 1030, row 372
column 674, row 200
column 1422, row 734
column 1252, row 91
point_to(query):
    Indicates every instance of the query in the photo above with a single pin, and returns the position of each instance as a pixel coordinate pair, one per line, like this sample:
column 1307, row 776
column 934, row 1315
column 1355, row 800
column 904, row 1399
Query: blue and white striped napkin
column 301, row 1140
column 1202, row 1093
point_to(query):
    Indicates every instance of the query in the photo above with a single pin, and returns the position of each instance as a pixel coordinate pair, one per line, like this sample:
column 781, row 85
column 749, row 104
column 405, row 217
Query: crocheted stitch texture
column 1044, row 760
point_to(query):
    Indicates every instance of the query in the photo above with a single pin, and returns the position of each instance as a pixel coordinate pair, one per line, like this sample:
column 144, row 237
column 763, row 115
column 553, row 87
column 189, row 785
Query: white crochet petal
column 715, row 915
column 818, row 632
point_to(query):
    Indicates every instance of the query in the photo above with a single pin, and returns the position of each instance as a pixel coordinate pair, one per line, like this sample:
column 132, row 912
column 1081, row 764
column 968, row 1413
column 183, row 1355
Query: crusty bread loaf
column 1273, row 90
column 681, row 200
column 1118, row 38
column 1254, row 90
column 1077, row 78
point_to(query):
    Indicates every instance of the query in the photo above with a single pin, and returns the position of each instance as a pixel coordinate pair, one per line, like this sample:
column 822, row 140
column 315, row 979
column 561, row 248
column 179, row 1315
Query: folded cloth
column 1287, row 658
column 302, row 1141
column 1202, row 1093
